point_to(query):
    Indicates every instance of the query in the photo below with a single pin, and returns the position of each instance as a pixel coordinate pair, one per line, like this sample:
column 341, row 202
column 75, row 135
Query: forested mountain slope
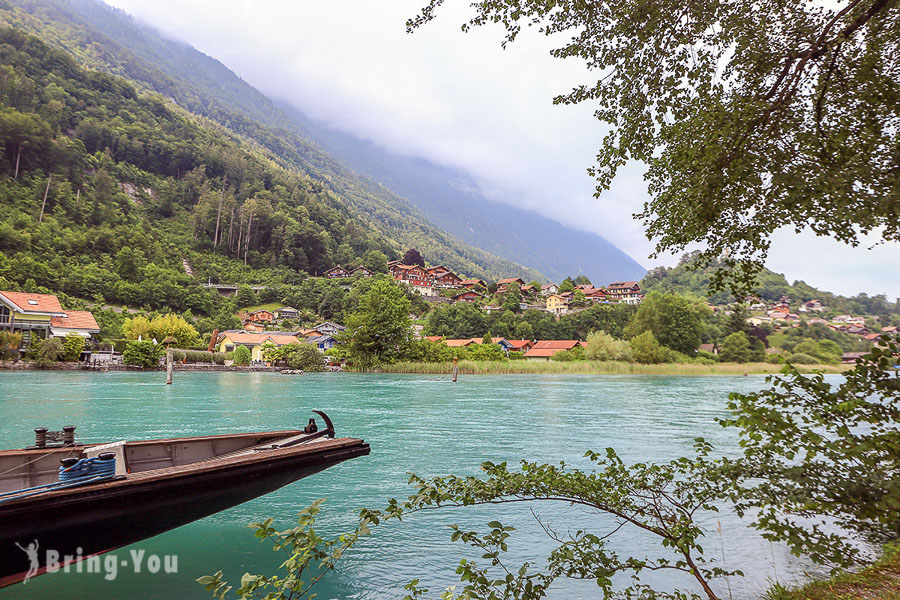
column 452, row 200
column 105, row 190
column 685, row 279
column 106, row 39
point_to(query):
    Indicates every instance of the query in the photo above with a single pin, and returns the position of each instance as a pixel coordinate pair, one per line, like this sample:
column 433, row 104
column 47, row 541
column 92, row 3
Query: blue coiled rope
column 86, row 470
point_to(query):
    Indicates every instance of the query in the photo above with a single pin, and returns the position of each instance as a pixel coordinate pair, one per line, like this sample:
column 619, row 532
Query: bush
column 143, row 354
column 516, row 356
column 483, row 351
column 564, row 356
column 736, row 348
column 775, row 359
column 702, row 360
column 73, row 345
column 9, row 344
column 799, row 358
column 242, row 355
column 603, row 346
column 645, row 349
column 304, row 356
column 46, row 352
column 707, row 355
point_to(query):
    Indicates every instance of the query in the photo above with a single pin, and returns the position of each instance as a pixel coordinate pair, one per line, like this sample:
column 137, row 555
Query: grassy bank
column 468, row 367
column 881, row 581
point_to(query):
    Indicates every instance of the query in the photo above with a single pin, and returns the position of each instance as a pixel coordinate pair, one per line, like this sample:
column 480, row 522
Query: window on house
column 229, row 348
column 32, row 302
column 4, row 314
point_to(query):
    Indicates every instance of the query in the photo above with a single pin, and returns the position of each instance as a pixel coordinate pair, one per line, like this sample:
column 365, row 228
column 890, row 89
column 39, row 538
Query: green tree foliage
column 604, row 347
column 646, row 349
column 9, row 344
column 375, row 261
column 736, row 348
column 512, row 299
column 143, row 354
column 312, row 557
column 826, row 351
column 73, row 346
column 242, row 355
column 676, row 321
column 486, row 350
column 798, row 131
column 380, row 329
column 245, row 296
column 817, row 452
column 47, row 351
column 161, row 327
column 567, row 285
column 582, row 280
column 305, row 357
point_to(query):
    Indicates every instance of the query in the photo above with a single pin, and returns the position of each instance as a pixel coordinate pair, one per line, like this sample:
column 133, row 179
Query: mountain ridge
column 107, row 39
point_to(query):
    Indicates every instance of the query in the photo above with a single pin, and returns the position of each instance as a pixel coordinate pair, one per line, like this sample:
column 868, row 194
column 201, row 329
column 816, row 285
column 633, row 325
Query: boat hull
column 102, row 517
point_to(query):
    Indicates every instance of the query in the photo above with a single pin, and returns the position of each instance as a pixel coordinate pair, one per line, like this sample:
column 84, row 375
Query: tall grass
column 469, row 367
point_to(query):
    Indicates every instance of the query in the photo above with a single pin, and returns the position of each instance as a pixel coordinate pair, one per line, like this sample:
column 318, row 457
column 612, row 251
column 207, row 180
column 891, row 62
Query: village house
column 254, row 327
column 79, row 322
column 229, row 340
column 468, row 296
column 329, row 328
column 360, row 272
column 471, row 283
column 628, row 292
column 287, row 312
column 520, row 345
column 849, row 319
column 504, row 284
column 543, row 350
column 29, row 314
column 595, row 294
column 531, row 288
column 337, row 272
column 558, row 304
column 812, row 305
column 261, row 316
column 443, row 278
column 549, row 289
column 321, row 342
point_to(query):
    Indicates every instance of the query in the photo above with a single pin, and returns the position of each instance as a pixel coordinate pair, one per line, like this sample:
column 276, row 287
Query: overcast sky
column 461, row 101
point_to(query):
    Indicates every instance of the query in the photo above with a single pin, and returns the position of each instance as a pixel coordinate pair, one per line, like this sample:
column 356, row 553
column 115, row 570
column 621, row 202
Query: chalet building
column 504, row 284
column 337, row 272
column 530, row 289
column 29, row 314
column 627, row 292
column 254, row 327
column 229, row 340
column 287, row 312
column 328, row 328
column 471, row 283
column 520, row 345
column 812, row 306
column 558, row 304
column 595, row 294
column 468, row 296
column 543, row 350
column 321, row 342
column 459, row 343
column 444, row 279
column 79, row 322
column 261, row 316
column 360, row 272
column 411, row 275
column 549, row 289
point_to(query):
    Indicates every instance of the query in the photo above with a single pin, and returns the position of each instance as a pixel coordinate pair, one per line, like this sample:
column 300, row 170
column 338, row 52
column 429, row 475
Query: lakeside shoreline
column 467, row 367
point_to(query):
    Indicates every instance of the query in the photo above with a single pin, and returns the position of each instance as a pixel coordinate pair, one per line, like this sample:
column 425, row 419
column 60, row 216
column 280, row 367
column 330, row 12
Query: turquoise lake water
column 414, row 423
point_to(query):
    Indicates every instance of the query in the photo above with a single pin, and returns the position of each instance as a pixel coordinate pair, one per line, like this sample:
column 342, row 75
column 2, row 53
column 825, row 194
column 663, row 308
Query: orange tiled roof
column 46, row 303
column 458, row 343
column 555, row 344
column 542, row 352
column 519, row 343
column 258, row 338
column 75, row 319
